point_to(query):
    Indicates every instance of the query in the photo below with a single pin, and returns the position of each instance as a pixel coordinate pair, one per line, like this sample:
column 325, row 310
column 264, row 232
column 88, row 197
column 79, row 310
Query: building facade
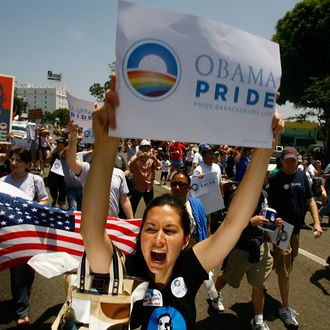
column 299, row 134
column 48, row 99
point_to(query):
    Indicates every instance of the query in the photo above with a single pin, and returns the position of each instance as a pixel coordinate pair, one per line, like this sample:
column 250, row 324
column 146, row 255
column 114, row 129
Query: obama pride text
column 229, row 89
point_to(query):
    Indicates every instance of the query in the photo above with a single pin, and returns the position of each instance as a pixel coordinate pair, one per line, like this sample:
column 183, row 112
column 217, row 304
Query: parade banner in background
column 6, row 105
column 80, row 111
column 54, row 76
column 188, row 78
column 208, row 191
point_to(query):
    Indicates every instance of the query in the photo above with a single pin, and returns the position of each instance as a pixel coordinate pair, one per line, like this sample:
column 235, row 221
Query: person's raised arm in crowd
column 71, row 152
column 96, row 195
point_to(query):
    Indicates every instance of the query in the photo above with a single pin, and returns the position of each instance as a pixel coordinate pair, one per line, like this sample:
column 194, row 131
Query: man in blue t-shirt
column 289, row 193
column 242, row 161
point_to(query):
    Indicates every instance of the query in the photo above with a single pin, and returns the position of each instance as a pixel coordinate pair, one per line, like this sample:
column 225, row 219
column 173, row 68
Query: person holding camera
column 288, row 193
column 143, row 168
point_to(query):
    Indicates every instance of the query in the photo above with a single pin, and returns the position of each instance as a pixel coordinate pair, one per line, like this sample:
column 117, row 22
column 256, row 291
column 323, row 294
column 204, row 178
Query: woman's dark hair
column 173, row 201
column 24, row 154
column 184, row 173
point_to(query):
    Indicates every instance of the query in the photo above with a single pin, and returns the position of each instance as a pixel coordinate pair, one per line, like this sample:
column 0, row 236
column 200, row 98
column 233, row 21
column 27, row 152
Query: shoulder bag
column 102, row 301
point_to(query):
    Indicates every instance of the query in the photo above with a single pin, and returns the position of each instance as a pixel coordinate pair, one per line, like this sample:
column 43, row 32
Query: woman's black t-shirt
column 173, row 306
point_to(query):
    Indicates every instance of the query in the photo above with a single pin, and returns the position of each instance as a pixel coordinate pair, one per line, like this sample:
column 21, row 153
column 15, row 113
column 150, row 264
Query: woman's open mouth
column 158, row 256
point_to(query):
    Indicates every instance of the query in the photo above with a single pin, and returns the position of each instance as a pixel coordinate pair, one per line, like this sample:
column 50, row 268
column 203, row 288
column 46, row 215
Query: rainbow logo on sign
column 152, row 70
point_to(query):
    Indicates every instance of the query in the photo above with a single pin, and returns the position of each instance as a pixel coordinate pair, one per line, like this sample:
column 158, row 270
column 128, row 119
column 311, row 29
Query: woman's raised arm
column 212, row 251
column 97, row 189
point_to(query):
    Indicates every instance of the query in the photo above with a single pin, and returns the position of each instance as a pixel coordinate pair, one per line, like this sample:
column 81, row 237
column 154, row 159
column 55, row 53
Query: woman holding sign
column 175, row 273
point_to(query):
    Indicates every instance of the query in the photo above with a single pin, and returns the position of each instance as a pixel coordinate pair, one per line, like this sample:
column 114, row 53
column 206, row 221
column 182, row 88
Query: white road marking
column 313, row 257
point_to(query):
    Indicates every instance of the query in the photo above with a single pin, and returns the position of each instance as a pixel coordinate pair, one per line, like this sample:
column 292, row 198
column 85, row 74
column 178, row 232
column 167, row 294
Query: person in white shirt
column 165, row 164
column 208, row 166
column 313, row 169
column 190, row 155
column 119, row 190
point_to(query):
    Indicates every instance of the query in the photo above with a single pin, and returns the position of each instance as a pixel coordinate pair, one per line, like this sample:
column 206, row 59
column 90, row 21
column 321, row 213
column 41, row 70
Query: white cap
column 145, row 142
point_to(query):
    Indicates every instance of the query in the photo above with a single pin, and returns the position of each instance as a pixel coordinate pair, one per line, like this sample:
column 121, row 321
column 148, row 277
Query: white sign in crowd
column 208, row 191
column 81, row 113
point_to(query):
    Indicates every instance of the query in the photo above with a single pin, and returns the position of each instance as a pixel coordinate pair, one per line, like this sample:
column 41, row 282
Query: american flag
column 28, row 228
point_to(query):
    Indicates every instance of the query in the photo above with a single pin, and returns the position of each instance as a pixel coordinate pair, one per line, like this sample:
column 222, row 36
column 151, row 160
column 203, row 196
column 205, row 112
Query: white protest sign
column 88, row 135
column 208, row 191
column 80, row 111
column 57, row 167
column 17, row 143
column 188, row 78
column 20, row 129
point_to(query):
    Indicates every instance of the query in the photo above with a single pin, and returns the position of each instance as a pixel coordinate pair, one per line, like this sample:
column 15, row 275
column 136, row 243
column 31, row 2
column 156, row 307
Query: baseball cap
column 145, row 142
column 202, row 146
column 289, row 152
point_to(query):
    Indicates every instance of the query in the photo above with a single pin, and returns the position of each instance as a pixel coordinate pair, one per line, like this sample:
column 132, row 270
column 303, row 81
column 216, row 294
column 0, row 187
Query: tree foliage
column 61, row 115
column 304, row 36
column 97, row 90
column 19, row 105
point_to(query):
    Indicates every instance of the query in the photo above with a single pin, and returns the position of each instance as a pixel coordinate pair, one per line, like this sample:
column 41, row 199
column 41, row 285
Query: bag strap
column 35, row 197
column 116, row 274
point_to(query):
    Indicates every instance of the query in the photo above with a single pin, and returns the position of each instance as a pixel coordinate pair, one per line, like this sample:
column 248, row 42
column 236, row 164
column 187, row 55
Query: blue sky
column 77, row 37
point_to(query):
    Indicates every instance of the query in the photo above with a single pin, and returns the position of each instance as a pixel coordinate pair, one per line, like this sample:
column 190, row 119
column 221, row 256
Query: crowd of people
column 175, row 234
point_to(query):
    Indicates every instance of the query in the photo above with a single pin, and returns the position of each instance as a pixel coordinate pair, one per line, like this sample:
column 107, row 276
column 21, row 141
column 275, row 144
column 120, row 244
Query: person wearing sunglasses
column 180, row 186
column 199, row 229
